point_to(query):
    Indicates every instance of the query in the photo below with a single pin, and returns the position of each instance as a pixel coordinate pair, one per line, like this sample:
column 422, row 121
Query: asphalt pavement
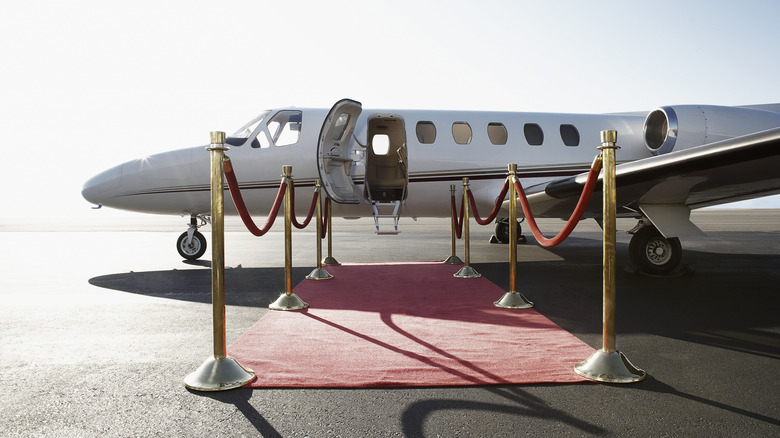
column 102, row 320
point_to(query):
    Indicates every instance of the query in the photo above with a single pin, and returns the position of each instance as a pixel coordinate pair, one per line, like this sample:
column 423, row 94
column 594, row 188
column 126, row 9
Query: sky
column 86, row 85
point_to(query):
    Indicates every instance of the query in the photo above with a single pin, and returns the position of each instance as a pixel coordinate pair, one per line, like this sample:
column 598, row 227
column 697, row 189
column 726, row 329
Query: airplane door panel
column 333, row 160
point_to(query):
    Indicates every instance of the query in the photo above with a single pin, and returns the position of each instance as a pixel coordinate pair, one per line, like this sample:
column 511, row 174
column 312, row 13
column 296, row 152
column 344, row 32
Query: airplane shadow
column 726, row 303
column 252, row 287
column 729, row 300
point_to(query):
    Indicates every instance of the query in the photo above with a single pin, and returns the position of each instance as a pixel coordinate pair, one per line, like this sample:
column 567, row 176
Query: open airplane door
column 333, row 160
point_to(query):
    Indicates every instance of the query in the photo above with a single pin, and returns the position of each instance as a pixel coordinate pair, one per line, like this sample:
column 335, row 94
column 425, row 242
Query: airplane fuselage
column 477, row 145
column 401, row 163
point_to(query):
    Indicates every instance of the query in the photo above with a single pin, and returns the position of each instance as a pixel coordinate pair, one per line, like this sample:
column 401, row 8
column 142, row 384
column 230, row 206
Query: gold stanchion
column 219, row 372
column 513, row 299
column 453, row 259
column 608, row 364
column 319, row 273
column 329, row 260
column 288, row 300
column 466, row 271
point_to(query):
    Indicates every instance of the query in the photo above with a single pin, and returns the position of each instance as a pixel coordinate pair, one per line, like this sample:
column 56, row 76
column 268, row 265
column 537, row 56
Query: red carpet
column 382, row 325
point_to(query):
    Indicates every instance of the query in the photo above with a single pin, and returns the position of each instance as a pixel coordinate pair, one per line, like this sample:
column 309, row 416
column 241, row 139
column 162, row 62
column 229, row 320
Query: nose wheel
column 192, row 244
column 191, row 249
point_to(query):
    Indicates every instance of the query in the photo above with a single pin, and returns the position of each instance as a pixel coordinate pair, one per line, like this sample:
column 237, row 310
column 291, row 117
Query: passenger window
column 570, row 135
column 285, row 128
column 533, row 134
column 497, row 133
column 380, row 144
column 426, row 132
column 461, row 132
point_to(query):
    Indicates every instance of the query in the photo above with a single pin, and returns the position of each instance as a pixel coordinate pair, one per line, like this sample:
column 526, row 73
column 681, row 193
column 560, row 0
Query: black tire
column 502, row 230
column 194, row 250
column 653, row 253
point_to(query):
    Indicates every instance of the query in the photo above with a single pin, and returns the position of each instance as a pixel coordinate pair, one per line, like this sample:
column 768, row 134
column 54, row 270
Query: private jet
column 389, row 164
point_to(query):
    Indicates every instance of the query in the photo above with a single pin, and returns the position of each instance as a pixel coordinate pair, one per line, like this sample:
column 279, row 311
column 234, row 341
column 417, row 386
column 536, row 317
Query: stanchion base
column 288, row 302
column 609, row 367
column 467, row 272
column 219, row 374
column 453, row 260
column 330, row 261
column 319, row 274
column 513, row 300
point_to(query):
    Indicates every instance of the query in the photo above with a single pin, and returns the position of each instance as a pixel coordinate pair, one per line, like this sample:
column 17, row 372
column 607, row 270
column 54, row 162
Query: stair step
column 396, row 206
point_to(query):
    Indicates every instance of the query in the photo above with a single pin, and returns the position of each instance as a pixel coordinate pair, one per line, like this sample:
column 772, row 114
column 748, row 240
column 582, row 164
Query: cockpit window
column 246, row 130
column 285, row 127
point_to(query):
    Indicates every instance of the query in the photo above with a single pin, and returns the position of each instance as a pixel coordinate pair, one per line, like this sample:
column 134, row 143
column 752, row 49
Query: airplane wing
column 667, row 186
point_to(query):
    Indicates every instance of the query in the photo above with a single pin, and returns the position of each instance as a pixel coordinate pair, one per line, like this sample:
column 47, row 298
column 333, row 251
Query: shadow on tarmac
column 728, row 306
column 522, row 404
column 724, row 304
column 240, row 399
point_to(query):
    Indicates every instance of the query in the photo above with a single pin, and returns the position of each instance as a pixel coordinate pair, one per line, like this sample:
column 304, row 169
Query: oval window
column 533, row 134
column 570, row 135
column 426, row 132
column 497, row 133
column 380, row 144
column 461, row 132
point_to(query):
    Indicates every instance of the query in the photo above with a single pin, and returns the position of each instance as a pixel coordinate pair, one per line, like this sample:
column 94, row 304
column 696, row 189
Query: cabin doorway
column 386, row 177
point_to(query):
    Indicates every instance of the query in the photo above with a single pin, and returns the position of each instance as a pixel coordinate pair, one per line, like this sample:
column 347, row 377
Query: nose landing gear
column 192, row 244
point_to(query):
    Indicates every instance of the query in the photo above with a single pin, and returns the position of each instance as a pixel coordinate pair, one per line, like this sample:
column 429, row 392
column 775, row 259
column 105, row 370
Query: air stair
column 386, row 210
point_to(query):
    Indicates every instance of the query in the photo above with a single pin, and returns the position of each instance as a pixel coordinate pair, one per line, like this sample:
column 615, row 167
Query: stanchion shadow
column 653, row 385
column 519, row 403
column 240, row 399
column 387, row 318
column 428, row 361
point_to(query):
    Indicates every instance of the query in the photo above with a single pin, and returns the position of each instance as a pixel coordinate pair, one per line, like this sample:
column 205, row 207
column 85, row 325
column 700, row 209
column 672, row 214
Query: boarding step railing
column 382, row 210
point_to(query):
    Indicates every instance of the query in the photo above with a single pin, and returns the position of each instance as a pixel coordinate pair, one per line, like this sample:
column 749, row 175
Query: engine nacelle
column 684, row 126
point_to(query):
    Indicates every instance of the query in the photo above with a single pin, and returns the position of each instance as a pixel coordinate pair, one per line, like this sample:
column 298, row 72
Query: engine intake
column 660, row 130
column 685, row 126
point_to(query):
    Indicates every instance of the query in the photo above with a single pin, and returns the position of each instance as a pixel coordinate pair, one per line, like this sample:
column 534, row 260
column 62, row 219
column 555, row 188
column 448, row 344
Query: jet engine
column 684, row 126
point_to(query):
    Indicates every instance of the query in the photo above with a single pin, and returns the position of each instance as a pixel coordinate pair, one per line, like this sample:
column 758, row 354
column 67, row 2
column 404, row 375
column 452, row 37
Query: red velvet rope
column 459, row 218
column 496, row 208
column 305, row 223
column 587, row 191
column 325, row 219
column 238, row 200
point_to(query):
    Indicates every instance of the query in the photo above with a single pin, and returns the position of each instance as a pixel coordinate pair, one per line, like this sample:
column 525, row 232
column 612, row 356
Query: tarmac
column 102, row 320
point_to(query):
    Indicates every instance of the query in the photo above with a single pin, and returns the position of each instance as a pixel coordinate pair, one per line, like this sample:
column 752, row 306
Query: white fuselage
column 477, row 145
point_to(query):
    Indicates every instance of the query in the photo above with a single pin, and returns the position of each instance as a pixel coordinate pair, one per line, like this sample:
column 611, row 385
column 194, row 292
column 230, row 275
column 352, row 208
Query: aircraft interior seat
column 385, row 178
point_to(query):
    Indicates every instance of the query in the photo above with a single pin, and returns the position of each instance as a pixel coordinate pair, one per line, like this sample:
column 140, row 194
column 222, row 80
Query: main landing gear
column 502, row 231
column 653, row 253
column 649, row 250
column 192, row 244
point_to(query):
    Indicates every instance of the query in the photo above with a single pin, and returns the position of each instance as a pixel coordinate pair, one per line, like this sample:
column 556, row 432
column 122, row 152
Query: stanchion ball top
column 609, row 136
column 217, row 137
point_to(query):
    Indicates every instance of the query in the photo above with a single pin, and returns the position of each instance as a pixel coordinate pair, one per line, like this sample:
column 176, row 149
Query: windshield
column 246, row 130
column 285, row 127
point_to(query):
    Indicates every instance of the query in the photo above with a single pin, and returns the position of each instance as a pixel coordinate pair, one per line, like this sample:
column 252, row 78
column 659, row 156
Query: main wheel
column 653, row 253
column 502, row 230
column 195, row 249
